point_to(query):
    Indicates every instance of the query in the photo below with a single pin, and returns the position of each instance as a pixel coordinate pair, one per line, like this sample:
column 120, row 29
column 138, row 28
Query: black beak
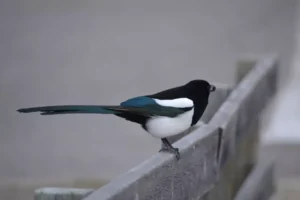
column 212, row 88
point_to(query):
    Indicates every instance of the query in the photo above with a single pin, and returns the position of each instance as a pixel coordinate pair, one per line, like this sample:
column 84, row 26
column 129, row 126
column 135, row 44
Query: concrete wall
column 100, row 52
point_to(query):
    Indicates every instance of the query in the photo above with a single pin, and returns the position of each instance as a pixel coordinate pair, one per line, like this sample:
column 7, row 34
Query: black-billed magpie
column 162, row 114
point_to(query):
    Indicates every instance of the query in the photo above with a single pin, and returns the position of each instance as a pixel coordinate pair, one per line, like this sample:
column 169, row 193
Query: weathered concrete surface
column 259, row 184
column 61, row 194
column 163, row 177
column 235, row 166
column 245, row 103
column 239, row 119
column 263, row 89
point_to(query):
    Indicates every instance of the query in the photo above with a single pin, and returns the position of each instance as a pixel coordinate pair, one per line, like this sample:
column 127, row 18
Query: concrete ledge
column 163, row 177
column 239, row 119
column 245, row 103
column 236, row 168
column 61, row 193
column 259, row 184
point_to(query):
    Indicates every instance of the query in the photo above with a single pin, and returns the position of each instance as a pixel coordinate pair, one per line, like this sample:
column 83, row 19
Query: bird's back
column 172, row 93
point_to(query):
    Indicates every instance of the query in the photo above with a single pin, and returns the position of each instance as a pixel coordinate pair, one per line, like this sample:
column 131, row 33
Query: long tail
column 73, row 109
column 93, row 109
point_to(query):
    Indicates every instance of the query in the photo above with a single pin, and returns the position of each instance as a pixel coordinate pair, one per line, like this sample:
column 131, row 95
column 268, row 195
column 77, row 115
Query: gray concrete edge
column 132, row 176
column 259, row 184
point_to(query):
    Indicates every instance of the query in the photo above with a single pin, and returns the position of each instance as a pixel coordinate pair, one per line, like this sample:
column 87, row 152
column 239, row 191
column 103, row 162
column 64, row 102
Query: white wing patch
column 177, row 103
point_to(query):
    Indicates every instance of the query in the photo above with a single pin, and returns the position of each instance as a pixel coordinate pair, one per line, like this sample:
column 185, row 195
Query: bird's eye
column 212, row 88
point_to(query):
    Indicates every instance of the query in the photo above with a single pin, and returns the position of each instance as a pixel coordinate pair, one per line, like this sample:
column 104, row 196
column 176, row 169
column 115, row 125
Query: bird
column 162, row 114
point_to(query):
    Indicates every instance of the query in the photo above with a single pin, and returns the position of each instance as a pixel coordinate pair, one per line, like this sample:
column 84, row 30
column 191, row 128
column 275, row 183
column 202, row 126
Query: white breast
column 161, row 127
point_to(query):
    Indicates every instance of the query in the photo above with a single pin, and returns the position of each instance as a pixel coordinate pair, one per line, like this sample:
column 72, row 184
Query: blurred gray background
column 103, row 52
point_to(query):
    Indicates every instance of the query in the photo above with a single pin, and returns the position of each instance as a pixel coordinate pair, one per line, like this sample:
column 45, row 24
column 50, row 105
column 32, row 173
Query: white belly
column 161, row 127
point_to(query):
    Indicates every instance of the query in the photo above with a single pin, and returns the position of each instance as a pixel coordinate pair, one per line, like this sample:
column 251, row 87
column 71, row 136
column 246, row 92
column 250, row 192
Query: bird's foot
column 173, row 150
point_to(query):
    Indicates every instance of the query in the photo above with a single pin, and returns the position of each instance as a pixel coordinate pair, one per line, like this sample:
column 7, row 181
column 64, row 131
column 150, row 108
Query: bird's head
column 201, row 86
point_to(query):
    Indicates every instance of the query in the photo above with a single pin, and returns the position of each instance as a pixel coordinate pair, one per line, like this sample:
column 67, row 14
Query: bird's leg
column 169, row 148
